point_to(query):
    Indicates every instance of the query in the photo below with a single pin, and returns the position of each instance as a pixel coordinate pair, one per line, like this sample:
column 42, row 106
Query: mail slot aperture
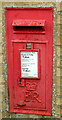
column 29, row 26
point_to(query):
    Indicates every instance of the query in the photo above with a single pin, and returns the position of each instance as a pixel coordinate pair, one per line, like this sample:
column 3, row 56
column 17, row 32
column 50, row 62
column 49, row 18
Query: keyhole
column 28, row 45
column 20, row 80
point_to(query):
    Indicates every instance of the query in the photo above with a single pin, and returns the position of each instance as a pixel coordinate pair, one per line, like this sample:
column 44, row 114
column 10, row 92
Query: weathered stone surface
column 57, row 50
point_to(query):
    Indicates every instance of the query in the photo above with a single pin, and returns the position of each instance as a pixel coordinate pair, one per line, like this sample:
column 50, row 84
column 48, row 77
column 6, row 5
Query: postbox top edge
column 19, row 8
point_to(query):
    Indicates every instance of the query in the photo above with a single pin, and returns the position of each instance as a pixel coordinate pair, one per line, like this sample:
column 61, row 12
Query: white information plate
column 29, row 64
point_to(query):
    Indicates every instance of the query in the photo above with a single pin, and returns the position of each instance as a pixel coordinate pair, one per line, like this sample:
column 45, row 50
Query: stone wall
column 57, row 58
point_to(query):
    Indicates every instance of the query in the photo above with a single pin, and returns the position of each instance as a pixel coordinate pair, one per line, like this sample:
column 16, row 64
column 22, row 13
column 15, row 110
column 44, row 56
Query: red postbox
column 29, row 42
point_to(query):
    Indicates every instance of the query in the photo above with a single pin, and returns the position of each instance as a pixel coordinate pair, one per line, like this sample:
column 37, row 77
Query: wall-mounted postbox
column 29, row 42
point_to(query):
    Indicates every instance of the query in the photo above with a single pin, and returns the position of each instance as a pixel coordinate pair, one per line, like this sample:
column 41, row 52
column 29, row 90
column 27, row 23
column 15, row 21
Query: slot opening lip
column 24, row 22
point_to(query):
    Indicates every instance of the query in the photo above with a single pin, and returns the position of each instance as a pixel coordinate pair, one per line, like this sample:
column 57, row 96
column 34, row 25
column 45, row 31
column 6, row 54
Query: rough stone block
column 58, row 6
column 5, row 115
column 57, row 82
column 0, row 15
column 2, row 79
column 58, row 40
column 59, row 29
column 58, row 50
column 57, row 109
column 58, row 72
column 0, row 37
column 58, row 101
column 0, row 48
column 1, row 59
column 58, row 62
column 0, row 26
column 2, row 88
column 58, row 92
column 61, row 51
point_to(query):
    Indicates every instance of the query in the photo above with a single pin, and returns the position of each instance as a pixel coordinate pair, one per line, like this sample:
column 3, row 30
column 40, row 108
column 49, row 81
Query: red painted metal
column 28, row 23
column 30, row 95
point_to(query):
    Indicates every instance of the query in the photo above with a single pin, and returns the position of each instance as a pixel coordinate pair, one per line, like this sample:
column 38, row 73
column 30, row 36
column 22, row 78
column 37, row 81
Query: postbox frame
column 11, row 108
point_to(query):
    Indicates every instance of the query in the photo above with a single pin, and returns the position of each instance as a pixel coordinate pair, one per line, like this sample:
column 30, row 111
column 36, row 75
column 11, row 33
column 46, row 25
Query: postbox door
column 30, row 92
